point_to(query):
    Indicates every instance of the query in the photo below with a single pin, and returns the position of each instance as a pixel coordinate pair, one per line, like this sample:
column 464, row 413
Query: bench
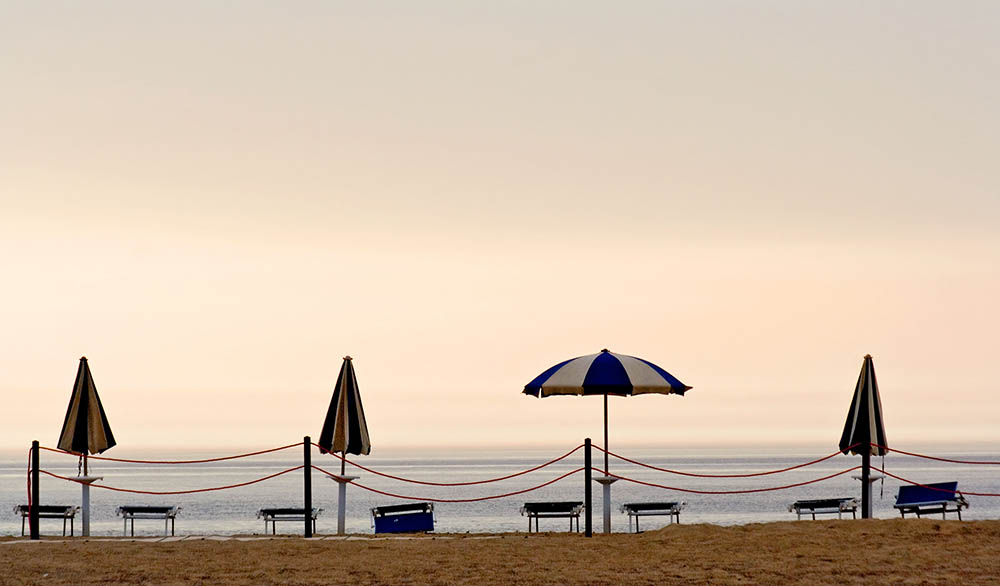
column 553, row 510
column 408, row 518
column 49, row 512
column 930, row 499
column 814, row 507
column 133, row 512
column 275, row 515
column 636, row 510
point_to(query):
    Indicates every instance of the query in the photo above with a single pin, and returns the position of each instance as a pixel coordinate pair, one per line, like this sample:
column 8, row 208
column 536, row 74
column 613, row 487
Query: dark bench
column 409, row 518
column 49, row 512
column 274, row 515
column 133, row 512
column 814, row 507
column 636, row 510
column 930, row 499
column 553, row 510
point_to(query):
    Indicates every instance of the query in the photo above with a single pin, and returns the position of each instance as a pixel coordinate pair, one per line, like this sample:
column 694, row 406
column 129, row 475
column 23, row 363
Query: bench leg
column 22, row 525
column 71, row 526
column 64, row 526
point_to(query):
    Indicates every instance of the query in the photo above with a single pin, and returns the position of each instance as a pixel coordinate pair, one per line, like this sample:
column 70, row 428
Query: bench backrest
column 403, row 509
column 552, row 507
column 649, row 506
column 145, row 509
column 821, row 503
column 64, row 509
column 930, row 493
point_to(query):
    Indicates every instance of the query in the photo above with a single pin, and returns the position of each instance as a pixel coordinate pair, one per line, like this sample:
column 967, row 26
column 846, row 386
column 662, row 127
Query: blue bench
column 408, row 518
column 930, row 499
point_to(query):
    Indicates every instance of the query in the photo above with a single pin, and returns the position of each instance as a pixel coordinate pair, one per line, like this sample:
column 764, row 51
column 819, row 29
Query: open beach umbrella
column 85, row 429
column 605, row 373
column 864, row 430
column 345, row 429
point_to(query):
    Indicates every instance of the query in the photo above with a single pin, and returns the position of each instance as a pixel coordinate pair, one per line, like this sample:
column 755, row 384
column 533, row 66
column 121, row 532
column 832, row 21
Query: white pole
column 86, row 509
column 606, row 482
column 341, row 507
column 342, row 482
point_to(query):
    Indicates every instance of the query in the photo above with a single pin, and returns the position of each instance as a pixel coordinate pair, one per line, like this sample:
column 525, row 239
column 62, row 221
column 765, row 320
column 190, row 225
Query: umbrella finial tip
column 84, row 358
column 348, row 357
column 868, row 355
column 604, row 350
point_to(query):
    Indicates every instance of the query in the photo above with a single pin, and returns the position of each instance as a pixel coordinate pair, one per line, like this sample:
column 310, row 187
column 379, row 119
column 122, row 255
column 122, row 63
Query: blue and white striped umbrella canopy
column 605, row 373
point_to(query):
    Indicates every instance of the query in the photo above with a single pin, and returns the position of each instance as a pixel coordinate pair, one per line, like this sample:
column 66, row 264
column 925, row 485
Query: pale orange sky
column 216, row 203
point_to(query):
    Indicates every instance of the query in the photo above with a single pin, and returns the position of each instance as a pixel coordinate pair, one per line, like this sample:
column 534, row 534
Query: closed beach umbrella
column 864, row 431
column 344, row 429
column 605, row 373
column 85, row 429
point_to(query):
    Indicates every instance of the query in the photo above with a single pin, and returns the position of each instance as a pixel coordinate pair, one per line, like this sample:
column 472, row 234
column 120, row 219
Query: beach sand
column 897, row 551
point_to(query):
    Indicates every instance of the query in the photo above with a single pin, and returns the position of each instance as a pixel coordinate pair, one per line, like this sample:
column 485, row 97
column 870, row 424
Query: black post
column 35, row 497
column 307, row 487
column 866, row 473
column 587, row 491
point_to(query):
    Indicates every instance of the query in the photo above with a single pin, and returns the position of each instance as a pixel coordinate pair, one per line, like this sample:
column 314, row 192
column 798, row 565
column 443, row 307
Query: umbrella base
column 342, row 482
column 606, row 482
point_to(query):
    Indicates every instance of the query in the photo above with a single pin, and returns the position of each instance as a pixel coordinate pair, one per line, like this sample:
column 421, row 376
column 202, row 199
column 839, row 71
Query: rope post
column 588, row 492
column 33, row 510
column 307, row 489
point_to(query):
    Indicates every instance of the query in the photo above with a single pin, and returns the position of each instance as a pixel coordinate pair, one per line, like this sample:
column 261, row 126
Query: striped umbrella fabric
column 345, row 429
column 864, row 424
column 85, row 429
column 605, row 373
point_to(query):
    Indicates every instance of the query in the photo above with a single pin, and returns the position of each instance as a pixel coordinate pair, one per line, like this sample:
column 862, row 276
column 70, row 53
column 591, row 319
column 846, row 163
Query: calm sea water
column 234, row 511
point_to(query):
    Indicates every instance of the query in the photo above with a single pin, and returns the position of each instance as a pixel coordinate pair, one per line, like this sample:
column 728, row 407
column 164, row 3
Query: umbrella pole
column 866, row 484
column 606, row 481
column 605, row 434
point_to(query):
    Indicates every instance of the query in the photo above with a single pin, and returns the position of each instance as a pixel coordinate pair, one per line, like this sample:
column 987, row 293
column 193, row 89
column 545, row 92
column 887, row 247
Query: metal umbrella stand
column 605, row 373
column 864, row 431
column 85, row 431
column 345, row 431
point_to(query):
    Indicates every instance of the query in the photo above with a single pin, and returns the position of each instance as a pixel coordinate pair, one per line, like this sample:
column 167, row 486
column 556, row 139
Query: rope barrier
column 470, row 500
column 171, row 492
column 695, row 475
column 692, row 491
column 950, row 461
column 205, row 461
column 470, row 483
column 962, row 492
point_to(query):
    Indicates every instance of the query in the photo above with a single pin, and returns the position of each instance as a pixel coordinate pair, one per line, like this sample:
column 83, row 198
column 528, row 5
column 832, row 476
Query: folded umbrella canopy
column 85, row 429
column 345, row 429
column 605, row 373
column 864, row 430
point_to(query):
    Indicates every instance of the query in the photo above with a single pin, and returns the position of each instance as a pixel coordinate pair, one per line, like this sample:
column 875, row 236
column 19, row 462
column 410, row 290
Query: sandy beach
column 816, row 552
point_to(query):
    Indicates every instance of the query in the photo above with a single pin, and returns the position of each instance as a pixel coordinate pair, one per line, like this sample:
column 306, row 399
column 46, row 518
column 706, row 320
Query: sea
column 234, row 511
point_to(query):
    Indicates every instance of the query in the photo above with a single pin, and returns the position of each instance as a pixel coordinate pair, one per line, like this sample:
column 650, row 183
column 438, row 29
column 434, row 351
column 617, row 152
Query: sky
column 216, row 202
